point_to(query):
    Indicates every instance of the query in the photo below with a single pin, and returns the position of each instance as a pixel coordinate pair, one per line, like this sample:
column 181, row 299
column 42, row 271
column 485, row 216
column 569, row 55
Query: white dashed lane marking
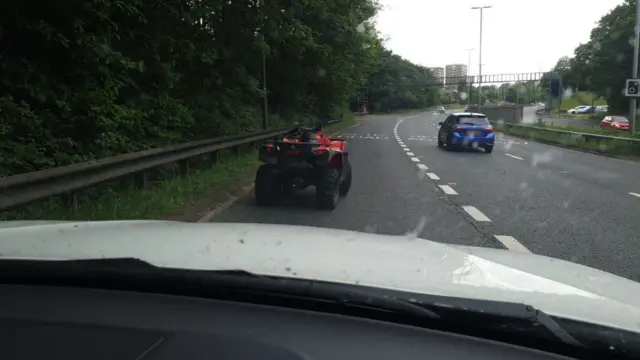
column 447, row 190
column 508, row 241
column 511, row 243
column 634, row 194
column 476, row 214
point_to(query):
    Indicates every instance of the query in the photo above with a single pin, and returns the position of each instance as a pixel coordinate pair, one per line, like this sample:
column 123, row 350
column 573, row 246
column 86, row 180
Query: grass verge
column 546, row 134
column 616, row 133
column 170, row 196
column 580, row 98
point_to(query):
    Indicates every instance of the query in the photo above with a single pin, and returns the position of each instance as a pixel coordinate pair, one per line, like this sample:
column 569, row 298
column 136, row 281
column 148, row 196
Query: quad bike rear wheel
column 328, row 188
column 268, row 186
column 345, row 185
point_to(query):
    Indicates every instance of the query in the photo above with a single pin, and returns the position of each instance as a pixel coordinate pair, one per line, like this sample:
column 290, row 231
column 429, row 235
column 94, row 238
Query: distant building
column 438, row 73
column 455, row 74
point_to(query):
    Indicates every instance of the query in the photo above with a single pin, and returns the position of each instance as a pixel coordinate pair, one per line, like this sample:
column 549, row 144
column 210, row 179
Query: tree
column 400, row 84
column 103, row 77
column 602, row 64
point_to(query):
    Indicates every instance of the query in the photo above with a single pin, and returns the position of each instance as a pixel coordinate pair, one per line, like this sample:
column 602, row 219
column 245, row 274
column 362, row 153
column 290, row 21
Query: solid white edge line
column 476, row 214
column 422, row 167
column 634, row 194
column 511, row 243
column 515, row 157
column 433, row 176
column 411, row 154
column 415, row 159
column 447, row 190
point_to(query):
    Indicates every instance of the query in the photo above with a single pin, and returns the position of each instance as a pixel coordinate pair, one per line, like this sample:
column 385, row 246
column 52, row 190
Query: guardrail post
column 184, row 167
column 140, row 179
column 70, row 199
column 214, row 157
column 236, row 150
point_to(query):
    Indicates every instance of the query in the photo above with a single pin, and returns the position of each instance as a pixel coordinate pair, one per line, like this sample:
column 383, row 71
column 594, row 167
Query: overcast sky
column 518, row 36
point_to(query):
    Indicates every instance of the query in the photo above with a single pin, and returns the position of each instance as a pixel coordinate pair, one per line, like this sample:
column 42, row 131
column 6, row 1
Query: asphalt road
column 525, row 196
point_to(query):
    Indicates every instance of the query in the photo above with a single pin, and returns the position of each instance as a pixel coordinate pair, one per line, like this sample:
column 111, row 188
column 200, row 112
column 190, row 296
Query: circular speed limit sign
column 633, row 87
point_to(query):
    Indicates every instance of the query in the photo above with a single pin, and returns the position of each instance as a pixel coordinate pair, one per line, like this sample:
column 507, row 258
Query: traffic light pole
column 634, row 70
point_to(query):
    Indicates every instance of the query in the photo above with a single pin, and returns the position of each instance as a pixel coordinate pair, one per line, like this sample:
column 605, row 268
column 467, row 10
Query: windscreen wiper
column 547, row 321
column 138, row 275
column 486, row 312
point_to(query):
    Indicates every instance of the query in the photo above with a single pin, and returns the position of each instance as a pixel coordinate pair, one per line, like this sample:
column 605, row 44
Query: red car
column 615, row 122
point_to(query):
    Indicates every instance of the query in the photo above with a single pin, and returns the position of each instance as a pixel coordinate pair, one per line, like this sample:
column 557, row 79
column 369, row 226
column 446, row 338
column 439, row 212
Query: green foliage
column 580, row 98
column 398, row 84
column 97, row 78
column 514, row 93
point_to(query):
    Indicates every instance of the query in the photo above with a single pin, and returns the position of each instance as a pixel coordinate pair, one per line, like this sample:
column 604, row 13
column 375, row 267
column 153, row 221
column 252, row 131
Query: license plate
column 473, row 132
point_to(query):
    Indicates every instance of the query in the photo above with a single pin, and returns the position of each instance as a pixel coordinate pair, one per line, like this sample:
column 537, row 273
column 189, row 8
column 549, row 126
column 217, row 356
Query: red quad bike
column 305, row 156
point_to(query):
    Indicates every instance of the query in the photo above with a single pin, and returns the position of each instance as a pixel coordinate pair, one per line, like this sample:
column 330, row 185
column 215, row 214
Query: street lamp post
column 481, row 8
column 469, row 72
column 264, row 70
column 634, row 69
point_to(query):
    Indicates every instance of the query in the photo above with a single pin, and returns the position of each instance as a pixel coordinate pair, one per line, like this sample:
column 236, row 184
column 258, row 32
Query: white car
column 582, row 109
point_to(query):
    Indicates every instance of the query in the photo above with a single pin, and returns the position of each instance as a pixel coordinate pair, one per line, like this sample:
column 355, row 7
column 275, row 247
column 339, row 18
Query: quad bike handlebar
column 301, row 130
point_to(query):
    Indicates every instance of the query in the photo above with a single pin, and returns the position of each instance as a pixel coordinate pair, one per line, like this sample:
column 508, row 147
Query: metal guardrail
column 575, row 134
column 24, row 188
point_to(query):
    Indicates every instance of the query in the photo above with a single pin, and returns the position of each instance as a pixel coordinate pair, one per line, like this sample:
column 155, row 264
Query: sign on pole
column 632, row 88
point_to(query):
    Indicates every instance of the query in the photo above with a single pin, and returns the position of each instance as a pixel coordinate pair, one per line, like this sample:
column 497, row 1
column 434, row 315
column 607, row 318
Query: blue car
column 466, row 129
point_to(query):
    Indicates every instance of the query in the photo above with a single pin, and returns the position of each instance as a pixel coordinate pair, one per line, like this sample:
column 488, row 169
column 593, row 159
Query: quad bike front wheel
column 268, row 187
column 328, row 188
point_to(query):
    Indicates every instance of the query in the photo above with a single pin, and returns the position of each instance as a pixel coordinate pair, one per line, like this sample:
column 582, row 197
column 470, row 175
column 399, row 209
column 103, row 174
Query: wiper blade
column 532, row 315
column 119, row 263
column 547, row 321
column 139, row 275
column 316, row 290
column 483, row 313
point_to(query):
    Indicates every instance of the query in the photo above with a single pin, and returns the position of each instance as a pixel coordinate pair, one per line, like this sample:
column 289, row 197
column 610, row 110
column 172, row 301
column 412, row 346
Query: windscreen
column 478, row 121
